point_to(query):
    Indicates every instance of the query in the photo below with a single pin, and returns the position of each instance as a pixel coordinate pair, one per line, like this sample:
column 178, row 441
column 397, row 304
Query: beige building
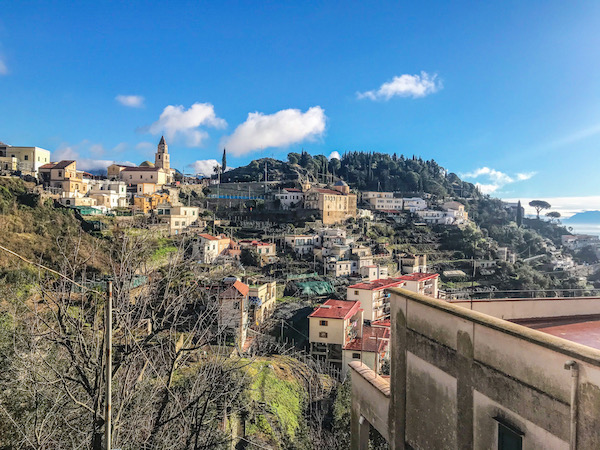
column 178, row 217
column 24, row 159
column 334, row 205
column 207, row 248
column 410, row 263
column 64, row 176
column 331, row 326
column 464, row 378
column 262, row 296
column 158, row 173
column 266, row 250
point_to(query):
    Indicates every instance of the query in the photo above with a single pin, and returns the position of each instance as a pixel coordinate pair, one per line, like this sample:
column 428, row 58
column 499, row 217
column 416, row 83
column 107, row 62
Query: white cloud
column 3, row 68
column 204, row 167
column 132, row 101
column 281, row 129
column 405, row 86
column 66, row 151
column 496, row 179
column 334, row 155
column 525, row 176
column 176, row 121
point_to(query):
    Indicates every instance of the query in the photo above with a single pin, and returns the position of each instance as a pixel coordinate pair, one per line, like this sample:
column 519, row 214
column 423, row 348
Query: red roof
column 419, row 276
column 293, row 190
column 47, row 166
column 235, row 290
column 209, row 237
column 373, row 339
column 336, row 309
column 328, row 191
column 376, row 285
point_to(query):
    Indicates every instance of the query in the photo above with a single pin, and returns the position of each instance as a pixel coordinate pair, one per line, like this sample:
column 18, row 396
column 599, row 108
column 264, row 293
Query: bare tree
column 175, row 379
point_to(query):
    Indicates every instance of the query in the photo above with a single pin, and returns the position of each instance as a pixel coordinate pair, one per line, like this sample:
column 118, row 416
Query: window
column 355, row 292
column 355, row 355
column 323, row 323
column 236, row 305
column 26, row 157
column 509, row 438
column 322, row 334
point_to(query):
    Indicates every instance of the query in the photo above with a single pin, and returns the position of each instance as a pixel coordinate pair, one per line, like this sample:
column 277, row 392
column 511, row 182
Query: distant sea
column 583, row 228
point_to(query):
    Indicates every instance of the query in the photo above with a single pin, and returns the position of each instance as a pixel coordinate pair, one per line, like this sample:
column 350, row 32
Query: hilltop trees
column 539, row 205
column 553, row 215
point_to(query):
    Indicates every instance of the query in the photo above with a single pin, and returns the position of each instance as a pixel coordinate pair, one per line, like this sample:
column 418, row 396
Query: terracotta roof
column 328, row 191
column 419, row 276
column 63, row 164
column 373, row 339
column 336, row 309
column 209, row 237
column 47, row 166
column 292, row 190
column 236, row 289
column 377, row 285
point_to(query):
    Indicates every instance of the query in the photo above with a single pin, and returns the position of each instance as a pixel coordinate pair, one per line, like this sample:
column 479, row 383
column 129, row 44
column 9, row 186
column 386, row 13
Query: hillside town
column 312, row 265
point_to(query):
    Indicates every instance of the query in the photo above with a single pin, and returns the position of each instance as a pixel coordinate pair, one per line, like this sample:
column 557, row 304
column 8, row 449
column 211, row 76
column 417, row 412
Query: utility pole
column 108, row 367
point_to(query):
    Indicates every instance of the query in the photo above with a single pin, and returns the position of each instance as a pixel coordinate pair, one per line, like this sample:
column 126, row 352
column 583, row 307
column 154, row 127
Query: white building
column 389, row 201
column 302, row 244
column 290, row 198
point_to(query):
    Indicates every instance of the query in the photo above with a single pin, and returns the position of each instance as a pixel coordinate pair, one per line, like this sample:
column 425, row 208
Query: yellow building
column 63, row 175
column 334, row 205
column 262, row 301
column 146, row 203
column 25, row 159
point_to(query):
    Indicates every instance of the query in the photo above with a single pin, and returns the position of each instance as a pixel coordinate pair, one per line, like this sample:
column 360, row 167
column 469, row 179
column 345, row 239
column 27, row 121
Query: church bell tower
column 161, row 160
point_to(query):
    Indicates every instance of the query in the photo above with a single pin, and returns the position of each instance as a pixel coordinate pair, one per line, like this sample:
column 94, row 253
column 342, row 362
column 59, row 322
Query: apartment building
column 393, row 201
column 302, row 244
column 207, row 248
column 411, row 263
column 178, row 217
column 372, row 296
column 422, row 283
column 149, row 202
column 331, row 326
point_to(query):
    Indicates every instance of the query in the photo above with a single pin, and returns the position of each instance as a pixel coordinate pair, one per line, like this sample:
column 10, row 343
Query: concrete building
column 207, row 248
column 331, row 326
column 463, row 377
column 579, row 241
column 373, row 272
column 108, row 194
column 333, row 205
column 370, row 348
column 24, row 159
column 393, row 201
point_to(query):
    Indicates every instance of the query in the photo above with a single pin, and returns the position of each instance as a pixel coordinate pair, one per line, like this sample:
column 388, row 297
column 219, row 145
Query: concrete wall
column 456, row 373
column 510, row 309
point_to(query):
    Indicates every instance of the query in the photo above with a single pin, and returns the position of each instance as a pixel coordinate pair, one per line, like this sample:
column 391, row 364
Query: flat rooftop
column 583, row 330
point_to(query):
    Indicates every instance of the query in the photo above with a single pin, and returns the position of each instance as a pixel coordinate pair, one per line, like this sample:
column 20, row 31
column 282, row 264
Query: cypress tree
column 519, row 214
column 224, row 161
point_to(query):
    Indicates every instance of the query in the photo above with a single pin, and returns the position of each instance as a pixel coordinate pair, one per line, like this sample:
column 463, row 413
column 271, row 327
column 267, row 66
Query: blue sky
column 505, row 93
